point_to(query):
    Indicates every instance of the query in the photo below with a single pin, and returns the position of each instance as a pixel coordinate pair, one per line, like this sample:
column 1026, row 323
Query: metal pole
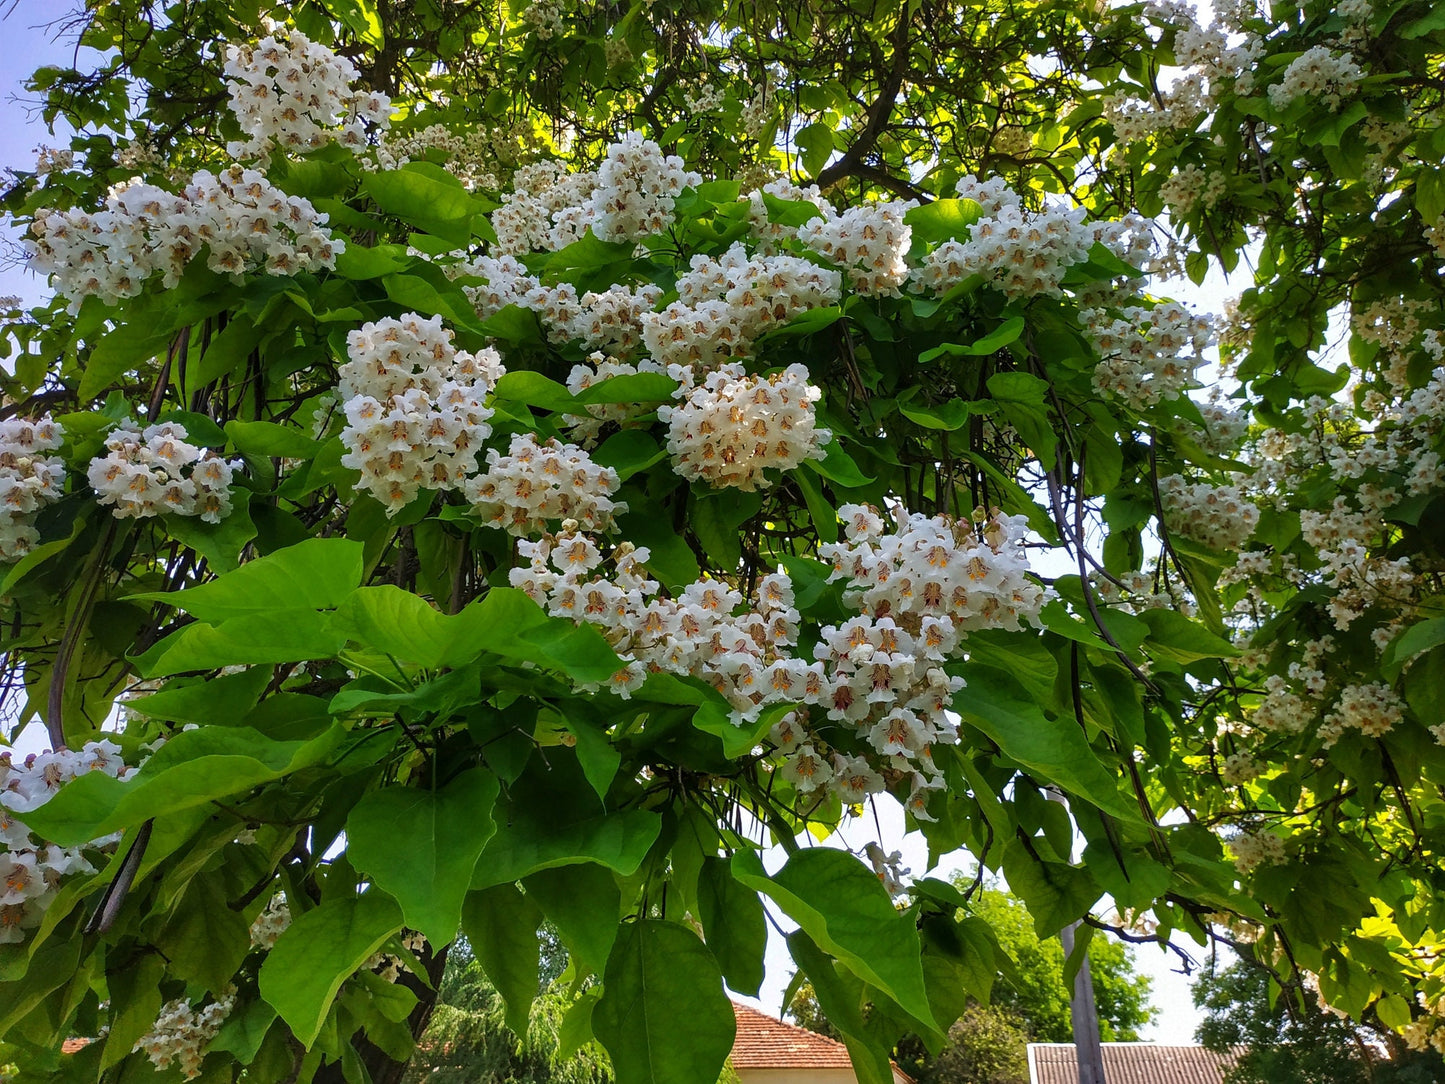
column 1085, row 1016
column 1083, row 1012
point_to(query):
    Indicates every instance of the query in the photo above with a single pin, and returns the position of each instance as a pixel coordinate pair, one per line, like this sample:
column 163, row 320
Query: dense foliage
column 486, row 464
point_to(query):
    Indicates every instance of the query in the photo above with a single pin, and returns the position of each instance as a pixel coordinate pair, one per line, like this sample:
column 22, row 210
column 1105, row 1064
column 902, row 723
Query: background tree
column 985, row 1046
column 1034, row 994
column 1284, row 1038
column 468, row 1041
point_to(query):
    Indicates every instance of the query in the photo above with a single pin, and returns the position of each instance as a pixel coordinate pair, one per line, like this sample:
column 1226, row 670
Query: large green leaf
column 419, row 197
column 319, row 951
column 221, row 543
column 203, row 939
column 992, row 343
column 838, row 467
column 663, row 1016
column 253, row 639
column 733, row 924
column 506, row 622
column 262, row 440
column 129, row 345
column 943, row 219
column 397, row 622
column 529, row 843
column 243, row 1032
column 1053, row 748
column 840, row 996
column 421, row 845
column 551, row 820
column 193, row 768
column 318, row 573
column 135, row 997
column 501, row 926
column 815, row 147
column 1176, row 637
column 1054, row 892
column 847, row 911
column 224, row 700
column 583, row 901
column 1418, row 638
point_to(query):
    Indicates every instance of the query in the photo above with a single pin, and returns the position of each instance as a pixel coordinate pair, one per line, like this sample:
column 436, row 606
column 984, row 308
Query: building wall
column 796, row 1076
column 803, row 1076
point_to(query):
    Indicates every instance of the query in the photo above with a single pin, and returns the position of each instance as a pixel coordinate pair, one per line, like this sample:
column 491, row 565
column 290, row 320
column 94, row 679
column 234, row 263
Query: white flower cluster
column 869, row 241
column 156, row 471
column 1319, row 74
column 732, row 427
column 414, row 407
column 1372, row 709
column 1422, row 1034
column 937, row 572
column 547, row 209
column 391, row 967
column 1020, row 252
column 52, row 160
column 545, row 17
column 536, row 484
column 889, row 868
column 724, row 304
column 271, row 923
column 1135, row 592
column 757, row 110
column 876, row 682
column 244, row 222
column 29, row 479
column 1147, row 354
column 1345, row 533
column 617, row 51
column 1435, row 236
column 182, row 1033
column 611, row 319
column 1282, row 710
column 599, row 367
column 769, row 233
column 465, row 152
column 636, row 187
column 505, row 281
column 1224, row 429
column 1256, row 847
column 139, row 156
column 291, row 92
column 1208, row 51
column 1239, row 768
column 1219, row 517
column 1179, row 107
column 30, row 870
column 1191, row 188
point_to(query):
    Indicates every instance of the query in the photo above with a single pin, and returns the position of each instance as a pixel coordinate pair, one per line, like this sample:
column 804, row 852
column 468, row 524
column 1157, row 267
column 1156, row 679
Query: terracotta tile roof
column 1131, row 1063
column 765, row 1043
column 71, row 1046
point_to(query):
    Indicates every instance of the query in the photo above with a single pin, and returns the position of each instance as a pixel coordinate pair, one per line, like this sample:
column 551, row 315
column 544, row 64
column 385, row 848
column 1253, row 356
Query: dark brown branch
column 861, row 147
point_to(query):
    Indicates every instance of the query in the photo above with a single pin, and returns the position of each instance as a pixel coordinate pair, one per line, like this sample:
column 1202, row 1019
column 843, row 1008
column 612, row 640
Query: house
column 1131, row 1063
column 768, row 1051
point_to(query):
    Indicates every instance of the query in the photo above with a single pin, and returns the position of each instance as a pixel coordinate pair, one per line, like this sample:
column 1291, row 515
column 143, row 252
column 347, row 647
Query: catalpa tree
column 484, row 466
